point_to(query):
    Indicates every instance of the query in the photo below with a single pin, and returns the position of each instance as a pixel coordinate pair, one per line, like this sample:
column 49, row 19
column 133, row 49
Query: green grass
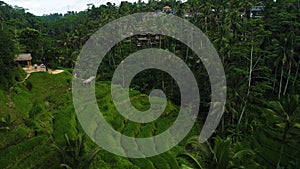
column 19, row 152
column 159, row 162
column 45, row 84
column 19, row 134
column 143, row 163
column 33, row 138
column 46, row 158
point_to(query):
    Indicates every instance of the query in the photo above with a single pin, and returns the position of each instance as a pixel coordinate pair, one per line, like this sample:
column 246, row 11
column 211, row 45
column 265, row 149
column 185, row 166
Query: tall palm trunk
column 249, row 84
column 280, row 83
column 163, row 81
column 296, row 76
column 186, row 54
column 288, row 78
column 286, row 128
column 275, row 79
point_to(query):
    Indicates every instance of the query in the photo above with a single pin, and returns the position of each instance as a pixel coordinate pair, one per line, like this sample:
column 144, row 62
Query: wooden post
column 29, row 63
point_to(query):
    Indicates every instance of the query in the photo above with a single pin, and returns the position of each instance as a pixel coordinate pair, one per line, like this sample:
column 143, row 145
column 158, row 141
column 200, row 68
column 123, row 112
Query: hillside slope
column 41, row 116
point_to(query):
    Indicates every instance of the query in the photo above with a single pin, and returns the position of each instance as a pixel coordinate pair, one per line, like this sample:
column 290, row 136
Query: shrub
column 131, row 129
column 64, row 123
column 30, row 123
column 142, row 163
column 36, row 109
column 20, row 133
column 146, row 131
column 19, row 74
column 52, row 65
column 171, row 159
column 159, row 162
column 4, row 84
column 68, row 81
column 18, row 90
column 29, row 85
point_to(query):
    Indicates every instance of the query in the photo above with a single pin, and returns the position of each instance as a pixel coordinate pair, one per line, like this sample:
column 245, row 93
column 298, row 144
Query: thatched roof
column 23, row 57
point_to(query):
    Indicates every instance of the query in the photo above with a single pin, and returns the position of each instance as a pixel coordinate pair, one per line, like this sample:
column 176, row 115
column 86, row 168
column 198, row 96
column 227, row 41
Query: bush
column 69, row 81
column 159, row 162
column 65, row 123
column 109, row 157
column 171, row 159
column 142, row 163
column 19, row 74
column 131, row 129
column 30, row 123
column 18, row 90
column 118, row 123
column 20, row 133
column 4, row 83
column 36, row 109
column 29, row 86
column 163, row 124
column 52, row 65
column 146, row 131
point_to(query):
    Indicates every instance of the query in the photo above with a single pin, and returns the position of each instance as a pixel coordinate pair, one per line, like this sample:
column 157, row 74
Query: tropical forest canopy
column 258, row 44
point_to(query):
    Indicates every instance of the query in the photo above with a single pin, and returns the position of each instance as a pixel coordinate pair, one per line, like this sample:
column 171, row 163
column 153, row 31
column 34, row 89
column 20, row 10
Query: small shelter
column 257, row 10
column 24, row 58
column 167, row 9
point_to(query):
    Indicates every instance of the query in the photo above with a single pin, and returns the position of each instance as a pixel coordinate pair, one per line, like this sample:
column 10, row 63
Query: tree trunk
column 275, row 75
column 163, row 82
column 160, row 41
column 296, row 76
column 223, row 124
column 206, row 24
column 249, row 84
column 109, row 61
column 286, row 128
column 242, row 114
column 186, row 54
column 280, row 83
column 288, row 78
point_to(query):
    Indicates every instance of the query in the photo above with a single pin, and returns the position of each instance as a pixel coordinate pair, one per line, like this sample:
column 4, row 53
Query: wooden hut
column 257, row 10
column 167, row 9
column 24, row 59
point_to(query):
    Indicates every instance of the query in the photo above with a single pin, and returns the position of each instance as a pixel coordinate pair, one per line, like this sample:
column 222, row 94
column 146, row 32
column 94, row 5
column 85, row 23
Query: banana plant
column 6, row 123
column 222, row 154
column 286, row 113
column 73, row 154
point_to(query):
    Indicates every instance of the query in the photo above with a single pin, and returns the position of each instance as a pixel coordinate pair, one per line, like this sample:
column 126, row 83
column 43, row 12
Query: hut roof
column 167, row 7
column 23, row 57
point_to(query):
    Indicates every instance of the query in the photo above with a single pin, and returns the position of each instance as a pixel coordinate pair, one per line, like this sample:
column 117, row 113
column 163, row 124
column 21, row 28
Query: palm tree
column 73, row 154
column 220, row 155
column 287, row 112
column 297, row 71
column 285, row 60
column 6, row 123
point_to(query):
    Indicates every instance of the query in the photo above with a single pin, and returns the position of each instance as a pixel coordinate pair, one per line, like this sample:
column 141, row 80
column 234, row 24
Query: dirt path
column 27, row 76
column 55, row 72
column 39, row 69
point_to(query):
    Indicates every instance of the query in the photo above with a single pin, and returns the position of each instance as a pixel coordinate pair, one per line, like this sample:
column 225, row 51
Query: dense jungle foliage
column 260, row 51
